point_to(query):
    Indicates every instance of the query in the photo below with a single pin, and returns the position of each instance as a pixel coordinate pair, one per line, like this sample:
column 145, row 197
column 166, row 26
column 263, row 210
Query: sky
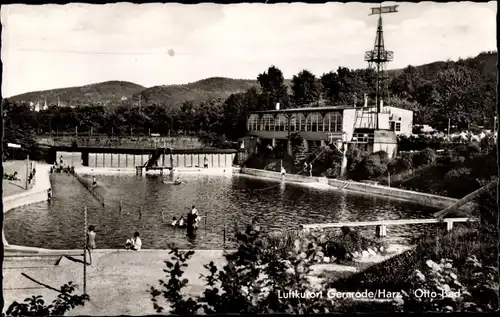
column 56, row 46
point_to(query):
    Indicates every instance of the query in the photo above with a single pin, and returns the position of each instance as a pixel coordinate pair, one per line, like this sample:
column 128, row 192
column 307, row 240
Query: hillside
column 106, row 92
column 202, row 90
column 172, row 96
column 486, row 60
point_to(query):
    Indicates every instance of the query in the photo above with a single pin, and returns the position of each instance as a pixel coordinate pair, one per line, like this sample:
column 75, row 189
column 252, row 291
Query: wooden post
column 389, row 179
column 205, row 222
column 118, row 159
column 224, row 235
column 121, row 206
column 27, row 171
column 85, row 251
column 449, row 225
column 126, row 160
column 103, row 159
column 140, row 212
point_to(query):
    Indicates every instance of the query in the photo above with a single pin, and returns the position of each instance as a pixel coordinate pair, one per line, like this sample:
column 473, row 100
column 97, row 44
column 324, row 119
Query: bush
column 457, row 173
column 372, row 166
column 354, row 157
column 250, row 282
column 425, row 157
column 35, row 306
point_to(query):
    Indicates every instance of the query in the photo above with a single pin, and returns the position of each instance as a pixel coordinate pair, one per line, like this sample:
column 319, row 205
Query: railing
column 88, row 184
column 449, row 223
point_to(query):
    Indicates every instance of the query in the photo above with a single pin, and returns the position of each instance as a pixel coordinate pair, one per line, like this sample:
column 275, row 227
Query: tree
column 331, row 86
column 306, row 88
column 273, row 87
column 407, row 83
column 460, row 94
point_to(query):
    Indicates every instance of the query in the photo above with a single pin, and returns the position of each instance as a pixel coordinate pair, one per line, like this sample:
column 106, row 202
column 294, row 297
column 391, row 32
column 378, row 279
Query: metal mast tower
column 378, row 58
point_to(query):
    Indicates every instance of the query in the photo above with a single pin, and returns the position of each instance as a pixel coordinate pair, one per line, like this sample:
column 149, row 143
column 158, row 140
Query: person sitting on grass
column 135, row 243
column 174, row 222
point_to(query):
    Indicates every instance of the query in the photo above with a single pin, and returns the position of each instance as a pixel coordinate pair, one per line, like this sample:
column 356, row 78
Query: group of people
column 134, row 243
column 190, row 222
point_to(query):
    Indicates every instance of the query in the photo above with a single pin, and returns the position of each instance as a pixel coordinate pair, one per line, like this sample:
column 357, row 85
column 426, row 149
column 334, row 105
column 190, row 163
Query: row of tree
column 462, row 92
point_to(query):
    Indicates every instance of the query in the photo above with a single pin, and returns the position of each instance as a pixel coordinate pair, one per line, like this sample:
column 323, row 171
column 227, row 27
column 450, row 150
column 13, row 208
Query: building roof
column 307, row 109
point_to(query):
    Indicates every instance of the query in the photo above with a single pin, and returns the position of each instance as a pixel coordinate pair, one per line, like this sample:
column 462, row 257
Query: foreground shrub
column 457, row 173
column 334, row 245
column 250, row 282
column 36, row 306
column 445, row 291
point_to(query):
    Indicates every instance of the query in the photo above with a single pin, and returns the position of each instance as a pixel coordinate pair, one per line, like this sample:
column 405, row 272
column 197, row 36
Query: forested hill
column 99, row 93
column 116, row 93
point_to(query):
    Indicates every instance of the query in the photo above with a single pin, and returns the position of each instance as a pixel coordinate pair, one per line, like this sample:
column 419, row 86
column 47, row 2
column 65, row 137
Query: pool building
column 344, row 126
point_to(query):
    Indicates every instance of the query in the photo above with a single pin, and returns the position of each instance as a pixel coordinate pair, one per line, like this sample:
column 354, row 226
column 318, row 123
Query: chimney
column 366, row 101
column 277, row 106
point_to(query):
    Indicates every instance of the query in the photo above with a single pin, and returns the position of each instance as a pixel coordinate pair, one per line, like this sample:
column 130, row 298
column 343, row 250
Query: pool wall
column 36, row 194
column 417, row 197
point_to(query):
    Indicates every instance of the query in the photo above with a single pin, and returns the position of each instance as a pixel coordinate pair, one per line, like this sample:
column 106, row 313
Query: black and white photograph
column 249, row 158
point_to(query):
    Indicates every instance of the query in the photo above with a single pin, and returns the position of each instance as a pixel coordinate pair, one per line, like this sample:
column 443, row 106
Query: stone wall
column 417, row 197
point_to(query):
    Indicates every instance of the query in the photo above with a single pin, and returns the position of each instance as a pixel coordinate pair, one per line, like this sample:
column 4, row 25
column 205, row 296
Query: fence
column 97, row 192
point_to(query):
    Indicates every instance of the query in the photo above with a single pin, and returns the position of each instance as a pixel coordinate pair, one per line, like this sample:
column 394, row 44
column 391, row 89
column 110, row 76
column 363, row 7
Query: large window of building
column 333, row 122
column 267, row 122
column 301, row 122
column 281, row 123
column 293, row 123
column 314, row 122
column 253, row 122
column 297, row 122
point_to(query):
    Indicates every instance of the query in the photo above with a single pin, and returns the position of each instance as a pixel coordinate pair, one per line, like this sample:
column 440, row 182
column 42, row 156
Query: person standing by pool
column 192, row 222
column 90, row 245
column 205, row 162
column 49, row 194
column 310, row 169
column 283, row 171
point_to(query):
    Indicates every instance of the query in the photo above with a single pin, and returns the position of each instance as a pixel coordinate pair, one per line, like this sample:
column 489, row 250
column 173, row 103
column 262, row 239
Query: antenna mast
column 378, row 58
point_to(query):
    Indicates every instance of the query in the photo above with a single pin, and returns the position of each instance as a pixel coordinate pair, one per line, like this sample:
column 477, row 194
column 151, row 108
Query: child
column 283, row 171
column 174, row 222
column 90, row 245
column 181, row 222
column 49, row 194
column 94, row 182
column 205, row 162
column 135, row 243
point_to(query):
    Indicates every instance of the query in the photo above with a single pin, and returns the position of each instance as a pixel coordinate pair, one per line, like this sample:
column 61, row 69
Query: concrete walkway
column 17, row 186
column 118, row 281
